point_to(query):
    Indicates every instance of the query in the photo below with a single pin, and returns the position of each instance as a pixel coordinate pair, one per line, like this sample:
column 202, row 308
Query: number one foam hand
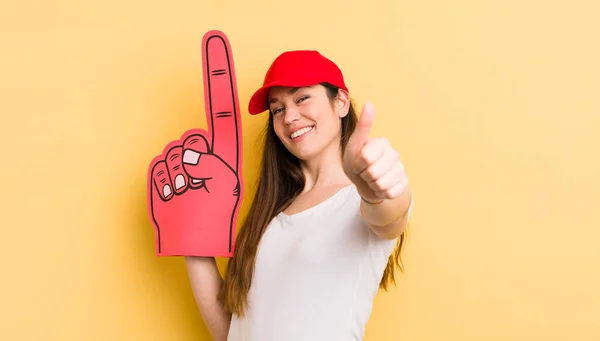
column 195, row 187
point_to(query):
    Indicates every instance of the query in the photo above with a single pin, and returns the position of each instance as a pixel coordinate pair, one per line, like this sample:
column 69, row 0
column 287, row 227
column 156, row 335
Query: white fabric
column 316, row 275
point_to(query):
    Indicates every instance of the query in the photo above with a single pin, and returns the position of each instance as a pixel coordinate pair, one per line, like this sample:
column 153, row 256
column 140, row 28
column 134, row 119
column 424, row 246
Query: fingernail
column 191, row 157
column 166, row 191
column 179, row 181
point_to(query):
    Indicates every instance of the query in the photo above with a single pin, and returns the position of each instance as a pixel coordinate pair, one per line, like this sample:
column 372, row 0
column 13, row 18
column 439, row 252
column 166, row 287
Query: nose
column 291, row 114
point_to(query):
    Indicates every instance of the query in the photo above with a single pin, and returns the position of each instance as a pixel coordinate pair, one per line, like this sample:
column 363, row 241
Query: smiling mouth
column 301, row 132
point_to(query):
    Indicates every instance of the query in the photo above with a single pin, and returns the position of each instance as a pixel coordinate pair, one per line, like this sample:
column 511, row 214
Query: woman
column 331, row 206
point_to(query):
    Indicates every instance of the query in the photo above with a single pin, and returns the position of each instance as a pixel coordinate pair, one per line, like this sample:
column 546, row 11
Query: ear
column 342, row 103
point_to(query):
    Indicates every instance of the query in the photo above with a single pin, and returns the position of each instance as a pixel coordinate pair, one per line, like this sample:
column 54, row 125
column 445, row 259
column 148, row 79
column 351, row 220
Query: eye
column 276, row 111
column 303, row 98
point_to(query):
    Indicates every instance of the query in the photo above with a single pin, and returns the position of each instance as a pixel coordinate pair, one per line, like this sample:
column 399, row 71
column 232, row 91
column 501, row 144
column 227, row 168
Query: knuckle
column 364, row 155
column 160, row 170
column 371, row 173
column 196, row 142
column 379, row 183
column 399, row 169
column 383, row 194
column 383, row 142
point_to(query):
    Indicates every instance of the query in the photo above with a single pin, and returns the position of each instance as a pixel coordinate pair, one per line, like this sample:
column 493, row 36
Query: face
column 306, row 121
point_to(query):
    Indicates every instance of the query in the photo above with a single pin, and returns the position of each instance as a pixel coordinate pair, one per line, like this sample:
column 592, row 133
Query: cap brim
column 258, row 101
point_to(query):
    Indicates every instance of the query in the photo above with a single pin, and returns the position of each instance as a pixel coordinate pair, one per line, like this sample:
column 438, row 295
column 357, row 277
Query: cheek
column 278, row 128
column 331, row 125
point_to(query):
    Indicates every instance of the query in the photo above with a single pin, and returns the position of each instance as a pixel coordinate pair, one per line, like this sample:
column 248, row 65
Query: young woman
column 326, row 227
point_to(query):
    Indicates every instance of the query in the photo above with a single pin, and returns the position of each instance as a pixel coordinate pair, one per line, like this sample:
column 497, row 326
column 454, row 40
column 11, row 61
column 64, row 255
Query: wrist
column 386, row 211
column 372, row 202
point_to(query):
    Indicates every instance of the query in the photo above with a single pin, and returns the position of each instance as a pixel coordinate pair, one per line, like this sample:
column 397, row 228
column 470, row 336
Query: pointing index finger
column 221, row 98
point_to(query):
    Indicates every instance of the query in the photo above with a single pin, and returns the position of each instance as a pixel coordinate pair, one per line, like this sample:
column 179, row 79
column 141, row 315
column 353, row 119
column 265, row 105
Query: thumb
column 203, row 165
column 363, row 126
column 206, row 166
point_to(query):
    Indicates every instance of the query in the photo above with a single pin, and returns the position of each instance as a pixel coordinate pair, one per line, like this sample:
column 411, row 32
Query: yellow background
column 493, row 105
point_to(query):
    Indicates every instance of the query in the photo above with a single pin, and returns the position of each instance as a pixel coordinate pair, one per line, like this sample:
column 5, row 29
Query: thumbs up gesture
column 372, row 164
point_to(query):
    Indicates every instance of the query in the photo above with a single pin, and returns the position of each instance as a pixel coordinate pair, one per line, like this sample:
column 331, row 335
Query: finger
column 360, row 136
column 388, row 180
column 221, row 98
column 193, row 146
column 161, row 180
column 394, row 191
column 372, row 151
column 388, row 160
column 205, row 167
column 179, row 179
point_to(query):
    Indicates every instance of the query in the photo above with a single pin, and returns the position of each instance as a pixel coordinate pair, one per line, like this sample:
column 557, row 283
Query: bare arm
column 389, row 218
column 206, row 283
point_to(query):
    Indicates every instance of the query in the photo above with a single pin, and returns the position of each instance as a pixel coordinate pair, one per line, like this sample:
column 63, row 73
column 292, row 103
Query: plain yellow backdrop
column 493, row 105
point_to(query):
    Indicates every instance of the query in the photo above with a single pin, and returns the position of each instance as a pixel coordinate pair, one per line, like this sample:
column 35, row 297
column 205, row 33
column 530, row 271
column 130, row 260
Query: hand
column 372, row 164
column 195, row 186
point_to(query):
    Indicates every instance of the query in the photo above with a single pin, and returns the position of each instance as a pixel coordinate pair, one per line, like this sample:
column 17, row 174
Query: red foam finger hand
column 196, row 185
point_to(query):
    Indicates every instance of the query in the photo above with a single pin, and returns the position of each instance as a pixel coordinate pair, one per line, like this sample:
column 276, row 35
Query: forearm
column 389, row 218
column 206, row 282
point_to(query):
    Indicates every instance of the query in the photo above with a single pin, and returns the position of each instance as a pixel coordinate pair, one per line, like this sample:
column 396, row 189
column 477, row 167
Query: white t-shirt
column 316, row 275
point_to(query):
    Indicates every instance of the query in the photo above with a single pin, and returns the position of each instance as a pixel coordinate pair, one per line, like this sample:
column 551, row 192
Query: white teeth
column 300, row 132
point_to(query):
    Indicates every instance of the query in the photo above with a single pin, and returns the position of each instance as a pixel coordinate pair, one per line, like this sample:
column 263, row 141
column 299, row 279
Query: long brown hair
column 281, row 181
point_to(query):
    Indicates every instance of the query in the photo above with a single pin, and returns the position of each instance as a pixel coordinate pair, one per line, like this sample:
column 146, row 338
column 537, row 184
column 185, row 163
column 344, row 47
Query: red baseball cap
column 296, row 69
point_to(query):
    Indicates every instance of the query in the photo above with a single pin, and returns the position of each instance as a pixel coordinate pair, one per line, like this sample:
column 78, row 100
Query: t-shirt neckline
column 312, row 209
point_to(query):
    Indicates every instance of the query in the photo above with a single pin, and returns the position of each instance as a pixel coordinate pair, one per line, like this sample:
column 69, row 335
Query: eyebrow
column 291, row 92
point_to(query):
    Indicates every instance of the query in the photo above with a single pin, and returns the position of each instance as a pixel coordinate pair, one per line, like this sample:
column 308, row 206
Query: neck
column 324, row 170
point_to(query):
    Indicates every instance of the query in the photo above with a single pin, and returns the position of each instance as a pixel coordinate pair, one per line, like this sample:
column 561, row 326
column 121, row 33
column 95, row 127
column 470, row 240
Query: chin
column 303, row 155
column 306, row 152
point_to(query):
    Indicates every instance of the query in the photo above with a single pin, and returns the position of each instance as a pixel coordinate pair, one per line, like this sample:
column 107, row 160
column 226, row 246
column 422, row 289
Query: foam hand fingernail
column 191, row 157
column 179, row 181
column 166, row 190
